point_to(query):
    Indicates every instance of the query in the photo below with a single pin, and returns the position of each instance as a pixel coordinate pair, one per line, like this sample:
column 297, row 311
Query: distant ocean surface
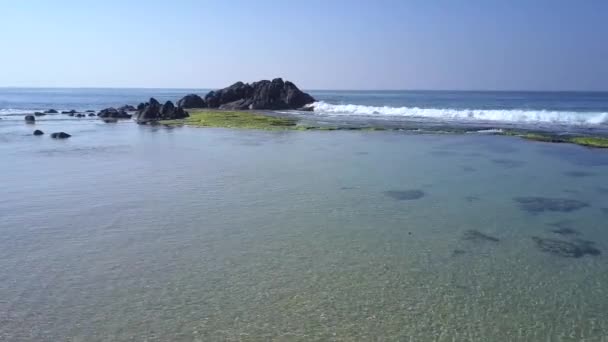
column 548, row 109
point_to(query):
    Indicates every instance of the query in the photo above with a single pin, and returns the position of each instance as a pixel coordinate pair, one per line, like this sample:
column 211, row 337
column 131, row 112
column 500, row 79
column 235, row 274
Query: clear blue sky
column 325, row 44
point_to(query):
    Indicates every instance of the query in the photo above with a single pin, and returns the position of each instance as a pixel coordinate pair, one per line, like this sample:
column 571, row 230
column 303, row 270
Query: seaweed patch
column 567, row 249
column 405, row 195
column 535, row 205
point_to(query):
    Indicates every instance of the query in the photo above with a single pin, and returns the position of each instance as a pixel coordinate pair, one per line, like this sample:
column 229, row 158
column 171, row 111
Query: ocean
column 126, row 232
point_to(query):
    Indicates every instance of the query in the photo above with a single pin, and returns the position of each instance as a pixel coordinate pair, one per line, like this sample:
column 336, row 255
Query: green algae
column 589, row 141
column 234, row 119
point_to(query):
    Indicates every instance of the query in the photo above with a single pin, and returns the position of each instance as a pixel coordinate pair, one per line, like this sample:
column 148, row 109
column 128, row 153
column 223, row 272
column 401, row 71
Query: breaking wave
column 486, row 115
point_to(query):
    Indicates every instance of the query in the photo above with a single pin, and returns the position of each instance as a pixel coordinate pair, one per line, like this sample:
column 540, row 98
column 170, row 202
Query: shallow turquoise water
column 140, row 233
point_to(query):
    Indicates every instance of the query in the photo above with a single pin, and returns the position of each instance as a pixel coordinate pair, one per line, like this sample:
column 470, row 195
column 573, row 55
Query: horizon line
column 324, row 89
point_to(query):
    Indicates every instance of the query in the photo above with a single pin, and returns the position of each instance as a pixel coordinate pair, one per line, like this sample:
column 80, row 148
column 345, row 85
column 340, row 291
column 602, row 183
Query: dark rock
column 477, row 236
column 89, row 111
column 265, row 94
column 568, row 249
column 39, row 114
column 405, row 195
column 30, row 119
column 60, row 135
column 50, row 111
column 91, row 114
column 127, row 108
column 38, row 132
column 69, row 112
column 307, row 109
column 191, row 101
column 153, row 111
column 540, row 204
column 141, row 106
column 80, row 115
column 113, row 113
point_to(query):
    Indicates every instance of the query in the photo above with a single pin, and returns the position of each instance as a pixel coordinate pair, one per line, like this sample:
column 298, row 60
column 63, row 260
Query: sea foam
column 486, row 115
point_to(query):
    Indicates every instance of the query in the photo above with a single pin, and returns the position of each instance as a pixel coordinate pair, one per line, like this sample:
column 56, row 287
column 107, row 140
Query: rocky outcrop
column 154, row 111
column 60, row 135
column 127, row 108
column 50, row 111
column 39, row 114
column 69, row 112
column 191, row 101
column 113, row 113
column 38, row 132
column 91, row 114
column 275, row 94
column 30, row 119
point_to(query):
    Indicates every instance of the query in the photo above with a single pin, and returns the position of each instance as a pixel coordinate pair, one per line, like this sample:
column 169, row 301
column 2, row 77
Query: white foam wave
column 488, row 115
column 12, row 111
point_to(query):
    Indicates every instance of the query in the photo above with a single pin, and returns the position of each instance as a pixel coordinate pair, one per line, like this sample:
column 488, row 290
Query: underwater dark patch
column 570, row 191
column 472, row 199
column 443, row 153
column 477, row 236
column 508, row 163
column 576, row 155
column 405, row 195
column 535, row 205
column 362, row 153
column 567, row 249
column 578, row 174
column 468, row 169
column 458, row 252
column 602, row 190
column 564, row 227
column 604, row 210
column 347, row 188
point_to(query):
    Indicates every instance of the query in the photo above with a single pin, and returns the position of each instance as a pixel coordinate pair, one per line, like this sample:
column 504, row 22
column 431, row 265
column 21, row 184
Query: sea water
column 127, row 232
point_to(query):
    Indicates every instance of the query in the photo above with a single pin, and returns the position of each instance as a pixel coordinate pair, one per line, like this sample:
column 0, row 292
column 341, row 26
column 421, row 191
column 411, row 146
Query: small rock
column 50, row 111
column 39, row 114
column 38, row 132
column 91, row 114
column 60, row 135
column 30, row 119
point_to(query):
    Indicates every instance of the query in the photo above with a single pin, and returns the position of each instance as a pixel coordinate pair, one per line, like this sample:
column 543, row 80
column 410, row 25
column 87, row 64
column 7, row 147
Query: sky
column 324, row 44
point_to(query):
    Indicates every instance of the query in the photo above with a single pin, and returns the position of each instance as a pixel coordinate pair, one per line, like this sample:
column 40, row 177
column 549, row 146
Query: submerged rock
column 275, row 94
column 405, row 195
column 69, row 112
column 38, row 132
column 568, row 249
column 477, row 236
column 50, row 111
column 30, row 119
column 89, row 111
column 191, row 101
column 39, row 114
column 60, row 135
column 535, row 205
